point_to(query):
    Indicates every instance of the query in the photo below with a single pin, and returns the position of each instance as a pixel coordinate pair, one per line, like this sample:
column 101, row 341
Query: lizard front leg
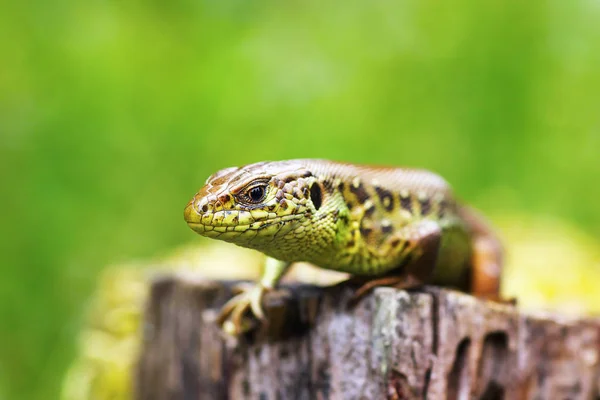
column 416, row 249
column 250, row 298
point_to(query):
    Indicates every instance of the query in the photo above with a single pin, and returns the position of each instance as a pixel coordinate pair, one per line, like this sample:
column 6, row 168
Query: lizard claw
column 231, row 317
column 398, row 282
column 242, row 287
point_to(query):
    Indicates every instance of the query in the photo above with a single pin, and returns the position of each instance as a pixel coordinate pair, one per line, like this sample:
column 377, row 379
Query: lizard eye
column 256, row 193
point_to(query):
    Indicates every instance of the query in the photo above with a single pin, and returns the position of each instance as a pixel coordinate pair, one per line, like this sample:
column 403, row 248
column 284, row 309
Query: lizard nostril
column 202, row 207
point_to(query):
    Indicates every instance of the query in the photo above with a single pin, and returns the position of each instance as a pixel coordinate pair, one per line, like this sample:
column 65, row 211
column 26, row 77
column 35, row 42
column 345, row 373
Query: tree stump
column 432, row 343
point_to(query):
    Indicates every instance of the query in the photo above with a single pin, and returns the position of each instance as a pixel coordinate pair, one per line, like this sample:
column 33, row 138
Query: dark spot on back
column 328, row 185
column 425, row 205
column 306, row 174
column 385, row 198
column 406, row 203
column 350, row 243
column 398, row 245
column 289, row 178
column 369, row 210
column 386, row 229
column 341, row 186
column 365, row 232
column 315, row 195
column 360, row 192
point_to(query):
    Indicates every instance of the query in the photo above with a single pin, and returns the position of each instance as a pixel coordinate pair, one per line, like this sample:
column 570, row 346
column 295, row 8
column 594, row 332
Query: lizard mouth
column 267, row 229
column 257, row 225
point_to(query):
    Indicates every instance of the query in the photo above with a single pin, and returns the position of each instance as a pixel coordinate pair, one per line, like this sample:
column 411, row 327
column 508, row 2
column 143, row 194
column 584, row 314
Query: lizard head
column 269, row 206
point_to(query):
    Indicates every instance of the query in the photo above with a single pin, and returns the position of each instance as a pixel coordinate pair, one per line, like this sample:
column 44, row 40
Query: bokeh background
column 113, row 113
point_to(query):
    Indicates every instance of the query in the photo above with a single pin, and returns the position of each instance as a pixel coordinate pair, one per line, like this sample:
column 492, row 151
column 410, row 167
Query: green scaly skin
column 367, row 221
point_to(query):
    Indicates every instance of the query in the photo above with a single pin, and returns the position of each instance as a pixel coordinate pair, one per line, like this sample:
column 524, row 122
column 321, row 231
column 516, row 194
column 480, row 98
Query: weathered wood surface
column 434, row 344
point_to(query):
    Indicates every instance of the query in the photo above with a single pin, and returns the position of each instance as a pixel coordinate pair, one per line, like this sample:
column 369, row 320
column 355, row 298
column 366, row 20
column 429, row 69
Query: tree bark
column 433, row 344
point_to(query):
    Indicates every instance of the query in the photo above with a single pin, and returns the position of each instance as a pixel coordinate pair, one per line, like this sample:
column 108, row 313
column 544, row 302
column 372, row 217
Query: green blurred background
column 113, row 113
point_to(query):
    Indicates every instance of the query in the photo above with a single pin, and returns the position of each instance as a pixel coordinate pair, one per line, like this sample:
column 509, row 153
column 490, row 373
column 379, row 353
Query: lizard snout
column 196, row 208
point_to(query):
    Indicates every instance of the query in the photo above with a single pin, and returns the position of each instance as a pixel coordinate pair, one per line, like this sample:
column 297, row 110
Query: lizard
column 391, row 226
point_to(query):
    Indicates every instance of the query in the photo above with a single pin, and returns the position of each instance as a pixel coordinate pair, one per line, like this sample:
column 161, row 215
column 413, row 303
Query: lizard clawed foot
column 249, row 299
column 396, row 281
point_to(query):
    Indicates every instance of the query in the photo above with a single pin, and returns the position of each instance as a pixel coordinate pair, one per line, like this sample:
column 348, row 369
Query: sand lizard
column 402, row 227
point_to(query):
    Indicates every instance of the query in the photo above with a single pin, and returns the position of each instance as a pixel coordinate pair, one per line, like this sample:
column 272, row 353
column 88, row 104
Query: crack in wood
column 493, row 363
column 458, row 378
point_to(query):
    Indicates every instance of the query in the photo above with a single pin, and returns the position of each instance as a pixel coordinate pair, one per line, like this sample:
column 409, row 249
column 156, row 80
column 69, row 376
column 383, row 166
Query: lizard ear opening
column 315, row 195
